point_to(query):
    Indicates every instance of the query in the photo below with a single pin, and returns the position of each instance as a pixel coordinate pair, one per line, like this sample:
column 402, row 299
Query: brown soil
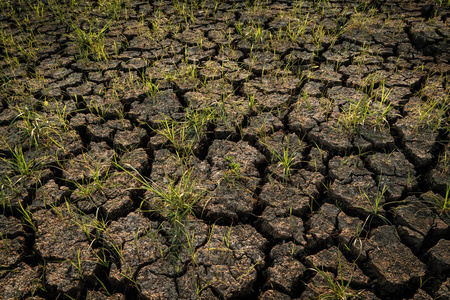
column 273, row 189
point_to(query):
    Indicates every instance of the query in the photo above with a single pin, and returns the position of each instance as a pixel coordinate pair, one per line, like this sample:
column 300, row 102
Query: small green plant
column 197, row 120
column 111, row 7
column 286, row 158
column 38, row 9
column 375, row 207
column 337, row 289
column 296, row 29
column 444, row 161
column 432, row 115
column 375, row 204
column 239, row 27
column 234, row 169
column 90, row 42
column 24, row 45
column 78, row 264
column 20, row 164
column 443, row 2
column 175, row 200
column 8, row 190
column 152, row 87
column 27, row 216
column 176, row 134
column 251, row 102
column 442, row 204
column 366, row 110
column 91, row 184
column 33, row 127
column 183, row 135
column 189, row 245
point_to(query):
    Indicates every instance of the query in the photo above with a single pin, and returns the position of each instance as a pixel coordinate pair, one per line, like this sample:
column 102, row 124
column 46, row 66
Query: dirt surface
column 225, row 150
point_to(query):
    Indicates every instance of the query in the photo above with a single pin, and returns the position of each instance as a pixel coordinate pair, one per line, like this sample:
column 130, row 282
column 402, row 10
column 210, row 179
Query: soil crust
column 225, row 149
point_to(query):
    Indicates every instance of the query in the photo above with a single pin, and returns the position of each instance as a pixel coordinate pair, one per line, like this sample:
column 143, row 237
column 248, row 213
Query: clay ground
column 224, row 149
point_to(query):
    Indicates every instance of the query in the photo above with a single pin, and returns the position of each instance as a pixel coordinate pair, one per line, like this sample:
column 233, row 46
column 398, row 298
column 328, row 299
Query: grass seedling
column 174, row 201
column 337, row 289
column 234, row 169
column 296, row 30
column 183, row 135
column 442, row 204
column 199, row 289
column 286, row 158
column 239, row 28
column 19, row 163
column 34, row 127
column 78, row 264
column 375, row 204
column 111, row 7
column 152, row 88
column 198, row 119
column 90, row 42
column 318, row 35
column 190, row 237
column 95, row 182
column 443, row 2
column 322, row 154
column 288, row 154
column 9, row 193
column 365, row 111
column 247, row 272
column 100, row 110
column 176, row 134
column 444, row 161
column 27, row 216
column 103, row 288
column 251, row 102
column 431, row 115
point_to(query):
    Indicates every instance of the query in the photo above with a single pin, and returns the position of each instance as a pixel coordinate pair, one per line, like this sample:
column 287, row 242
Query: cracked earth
column 225, row 150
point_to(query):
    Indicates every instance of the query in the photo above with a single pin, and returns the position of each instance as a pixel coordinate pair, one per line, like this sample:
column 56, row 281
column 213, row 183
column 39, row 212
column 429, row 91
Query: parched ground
column 224, row 149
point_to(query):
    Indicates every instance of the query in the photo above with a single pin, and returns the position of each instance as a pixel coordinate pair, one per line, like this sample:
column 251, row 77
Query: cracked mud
column 225, row 149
